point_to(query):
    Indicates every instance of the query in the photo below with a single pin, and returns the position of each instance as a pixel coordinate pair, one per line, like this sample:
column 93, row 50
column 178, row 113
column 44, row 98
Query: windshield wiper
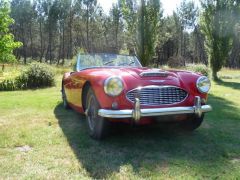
column 131, row 63
column 108, row 62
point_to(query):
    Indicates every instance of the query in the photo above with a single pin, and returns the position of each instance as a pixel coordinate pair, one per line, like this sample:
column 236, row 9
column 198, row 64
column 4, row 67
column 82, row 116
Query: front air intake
column 157, row 95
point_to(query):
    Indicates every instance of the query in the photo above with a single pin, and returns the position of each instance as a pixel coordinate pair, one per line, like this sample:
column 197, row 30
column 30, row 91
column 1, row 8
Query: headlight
column 113, row 86
column 203, row 84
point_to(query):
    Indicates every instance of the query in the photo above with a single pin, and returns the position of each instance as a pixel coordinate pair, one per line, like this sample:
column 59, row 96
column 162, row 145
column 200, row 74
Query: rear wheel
column 98, row 126
column 192, row 123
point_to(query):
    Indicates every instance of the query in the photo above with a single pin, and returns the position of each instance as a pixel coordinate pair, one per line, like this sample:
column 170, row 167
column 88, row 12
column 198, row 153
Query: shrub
column 199, row 68
column 8, row 85
column 37, row 75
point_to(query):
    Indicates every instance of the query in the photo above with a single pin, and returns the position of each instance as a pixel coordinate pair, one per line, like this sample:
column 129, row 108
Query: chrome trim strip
column 128, row 113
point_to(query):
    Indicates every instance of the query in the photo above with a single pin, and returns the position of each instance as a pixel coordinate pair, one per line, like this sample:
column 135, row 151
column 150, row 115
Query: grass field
column 39, row 139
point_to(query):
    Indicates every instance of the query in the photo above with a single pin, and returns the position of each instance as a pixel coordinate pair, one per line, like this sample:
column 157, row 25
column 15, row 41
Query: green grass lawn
column 61, row 148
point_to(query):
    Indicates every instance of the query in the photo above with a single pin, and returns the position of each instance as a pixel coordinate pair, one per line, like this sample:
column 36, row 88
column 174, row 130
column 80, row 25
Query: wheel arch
column 65, row 76
column 85, row 88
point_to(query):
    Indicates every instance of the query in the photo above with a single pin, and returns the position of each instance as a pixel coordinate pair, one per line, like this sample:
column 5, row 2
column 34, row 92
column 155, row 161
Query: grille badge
column 154, row 74
column 157, row 81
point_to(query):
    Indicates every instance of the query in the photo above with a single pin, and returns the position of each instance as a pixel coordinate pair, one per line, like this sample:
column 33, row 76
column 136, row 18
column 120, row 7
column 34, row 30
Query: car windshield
column 106, row 60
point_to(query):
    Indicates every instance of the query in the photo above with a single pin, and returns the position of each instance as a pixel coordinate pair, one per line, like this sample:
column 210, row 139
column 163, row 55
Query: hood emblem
column 154, row 74
column 157, row 81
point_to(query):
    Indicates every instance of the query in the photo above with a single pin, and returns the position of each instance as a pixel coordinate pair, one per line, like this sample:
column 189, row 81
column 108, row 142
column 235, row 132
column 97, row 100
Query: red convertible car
column 111, row 88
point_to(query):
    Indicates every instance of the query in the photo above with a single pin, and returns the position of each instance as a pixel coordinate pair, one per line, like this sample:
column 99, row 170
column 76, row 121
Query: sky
column 168, row 5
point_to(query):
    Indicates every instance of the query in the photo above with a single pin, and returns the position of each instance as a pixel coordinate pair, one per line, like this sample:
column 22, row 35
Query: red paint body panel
column 74, row 82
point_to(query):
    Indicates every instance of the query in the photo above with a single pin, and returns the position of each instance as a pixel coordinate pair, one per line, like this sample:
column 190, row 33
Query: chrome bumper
column 137, row 113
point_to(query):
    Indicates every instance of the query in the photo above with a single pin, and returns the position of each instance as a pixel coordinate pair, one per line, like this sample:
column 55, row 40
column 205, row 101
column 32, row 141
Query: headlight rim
column 106, row 82
column 197, row 84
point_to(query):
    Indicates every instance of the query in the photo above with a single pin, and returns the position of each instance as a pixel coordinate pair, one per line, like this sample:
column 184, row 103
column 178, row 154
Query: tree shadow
column 152, row 149
column 234, row 85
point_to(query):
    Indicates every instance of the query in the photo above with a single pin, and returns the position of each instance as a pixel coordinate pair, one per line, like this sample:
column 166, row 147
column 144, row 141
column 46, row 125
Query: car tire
column 64, row 99
column 192, row 123
column 98, row 126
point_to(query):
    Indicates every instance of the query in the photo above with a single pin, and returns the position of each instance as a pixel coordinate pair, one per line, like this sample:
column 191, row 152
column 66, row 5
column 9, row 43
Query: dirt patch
column 24, row 148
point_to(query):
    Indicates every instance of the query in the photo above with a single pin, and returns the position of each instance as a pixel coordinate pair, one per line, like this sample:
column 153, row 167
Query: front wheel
column 98, row 126
column 192, row 123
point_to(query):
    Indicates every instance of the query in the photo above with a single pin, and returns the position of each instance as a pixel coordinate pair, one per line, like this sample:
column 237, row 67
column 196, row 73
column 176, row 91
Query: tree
column 187, row 14
column 129, row 12
column 116, row 14
column 168, row 45
column 23, row 13
column 40, row 21
column 147, row 29
column 90, row 9
column 52, row 12
column 216, row 27
column 234, row 58
column 7, row 43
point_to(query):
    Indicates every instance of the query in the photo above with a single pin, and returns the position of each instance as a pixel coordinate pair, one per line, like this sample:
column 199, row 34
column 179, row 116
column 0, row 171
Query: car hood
column 149, row 73
column 133, row 76
column 139, row 74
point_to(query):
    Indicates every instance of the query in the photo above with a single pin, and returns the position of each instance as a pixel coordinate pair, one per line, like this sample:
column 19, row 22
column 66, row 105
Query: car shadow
column 151, row 148
column 233, row 85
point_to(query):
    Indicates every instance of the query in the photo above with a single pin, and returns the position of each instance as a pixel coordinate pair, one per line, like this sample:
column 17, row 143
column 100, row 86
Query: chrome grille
column 157, row 95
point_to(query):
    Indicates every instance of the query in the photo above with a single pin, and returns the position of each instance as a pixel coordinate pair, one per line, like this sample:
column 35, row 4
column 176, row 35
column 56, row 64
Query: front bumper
column 137, row 113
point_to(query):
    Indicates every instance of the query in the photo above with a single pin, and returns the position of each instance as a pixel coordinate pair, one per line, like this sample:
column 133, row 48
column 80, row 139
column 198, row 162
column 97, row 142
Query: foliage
column 216, row 26
column 185, row 19
column 37, row 75
column 129, row 13
column 7, row 43
column 149, row 15
column 54, row 30
column 199, row 68
column 8, row 85
column 187, row 12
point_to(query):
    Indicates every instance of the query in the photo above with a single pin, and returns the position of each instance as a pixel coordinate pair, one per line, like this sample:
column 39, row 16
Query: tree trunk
column 70, row 33
column 88, row 26
column 63, row 43
column 41, row 41
column 60, row 47
column 50, row 43
column 142, row 33
column 24, row 45
column 31, row 39
column 234, row 56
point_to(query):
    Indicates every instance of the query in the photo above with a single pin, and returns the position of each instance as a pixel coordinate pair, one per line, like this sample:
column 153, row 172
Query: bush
column 8, row 85
column 37, row 75
column 199, row 68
